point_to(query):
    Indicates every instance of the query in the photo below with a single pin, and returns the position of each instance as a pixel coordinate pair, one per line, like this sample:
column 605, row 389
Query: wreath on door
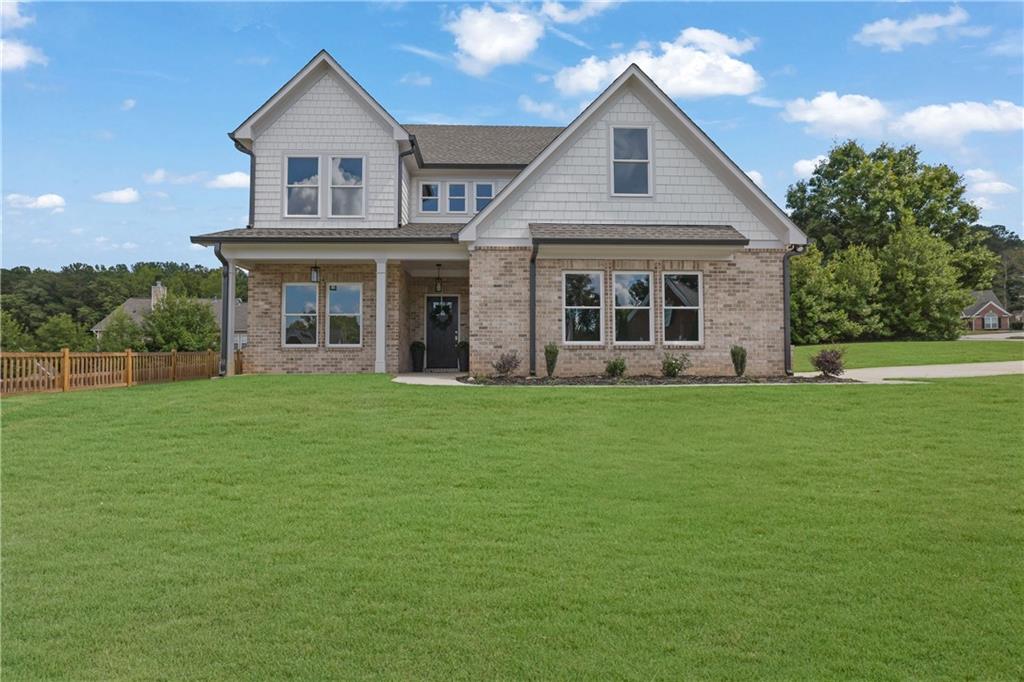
column 441, row 315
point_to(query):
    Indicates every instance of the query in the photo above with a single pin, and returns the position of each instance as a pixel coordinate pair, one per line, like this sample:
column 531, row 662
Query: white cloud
column 11, row 16
column 416, row 78
column 160, row 175
column 422, row 52
column 235, row 180
column 15, row 55
column 53, row 202
column 487, row 38
column 980, row 181
column 699, row 63
column 568, row 37
column 769, row 102
column 543, row 109
column 951, row 122
column 832, row 114
column 804, row 168
column 756, row 177
column 128, row 195
column 128, row 104
column 892, row 35
column 560, row 14
column 156, row 177
column 1010, row 45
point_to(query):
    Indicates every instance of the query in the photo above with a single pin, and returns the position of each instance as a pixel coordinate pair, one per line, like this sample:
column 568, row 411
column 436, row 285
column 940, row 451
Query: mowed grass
column 349, row 528
column 903, row 353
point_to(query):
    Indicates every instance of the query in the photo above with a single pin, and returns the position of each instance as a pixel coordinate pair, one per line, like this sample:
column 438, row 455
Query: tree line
column 895, row 251
column 46, row 310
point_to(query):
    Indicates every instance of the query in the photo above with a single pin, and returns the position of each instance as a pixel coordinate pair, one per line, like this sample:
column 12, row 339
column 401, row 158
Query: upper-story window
column 347, row 188
column 484, row 192
column 631, row 161
column 430, row 197
column 456, row 197
column 302, row 186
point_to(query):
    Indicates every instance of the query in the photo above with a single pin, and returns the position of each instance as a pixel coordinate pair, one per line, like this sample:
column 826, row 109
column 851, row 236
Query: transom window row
column 457, row 198
column 632, row 305
column 300, row 318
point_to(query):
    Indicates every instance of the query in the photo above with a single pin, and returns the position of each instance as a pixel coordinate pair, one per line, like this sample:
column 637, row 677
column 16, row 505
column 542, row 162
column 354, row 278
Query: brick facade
column 499, row 278
column 977, row 322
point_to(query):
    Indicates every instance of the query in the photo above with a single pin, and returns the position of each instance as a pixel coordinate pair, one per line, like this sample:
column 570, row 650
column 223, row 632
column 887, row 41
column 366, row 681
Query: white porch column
column 230, row 321
column 379, row 364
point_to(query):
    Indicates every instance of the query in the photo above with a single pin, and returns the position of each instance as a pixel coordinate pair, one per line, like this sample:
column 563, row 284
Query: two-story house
column 627, row 233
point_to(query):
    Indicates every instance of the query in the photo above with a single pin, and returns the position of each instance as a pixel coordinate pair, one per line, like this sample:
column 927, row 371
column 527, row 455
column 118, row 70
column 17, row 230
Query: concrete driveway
column 994, row 336
column 879, row 375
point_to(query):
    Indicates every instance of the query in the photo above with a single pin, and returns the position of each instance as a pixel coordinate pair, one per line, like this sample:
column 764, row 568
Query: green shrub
column 616, row 368
column 550, row 357
column 674, row 365
column 739, row 359
column 828, row 361
column 506, row 363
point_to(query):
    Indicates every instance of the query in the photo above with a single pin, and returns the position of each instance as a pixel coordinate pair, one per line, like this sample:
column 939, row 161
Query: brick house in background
column 986, row 313
column 627, row 233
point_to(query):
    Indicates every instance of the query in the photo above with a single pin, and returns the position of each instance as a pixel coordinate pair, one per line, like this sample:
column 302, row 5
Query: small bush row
column 672, row 365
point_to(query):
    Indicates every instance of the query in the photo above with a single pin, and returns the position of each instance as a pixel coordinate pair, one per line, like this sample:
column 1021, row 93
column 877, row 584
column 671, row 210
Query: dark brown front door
column 442, row 332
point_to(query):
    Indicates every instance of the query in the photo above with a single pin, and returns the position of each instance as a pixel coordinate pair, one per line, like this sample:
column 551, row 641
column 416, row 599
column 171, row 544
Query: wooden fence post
column 211, row 367
column 174, row 365
column 128, row 362
column 65, row 369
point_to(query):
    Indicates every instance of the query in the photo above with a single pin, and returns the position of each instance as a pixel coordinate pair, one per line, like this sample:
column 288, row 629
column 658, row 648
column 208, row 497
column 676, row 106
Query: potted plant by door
column 463, row 352
column 417, row 349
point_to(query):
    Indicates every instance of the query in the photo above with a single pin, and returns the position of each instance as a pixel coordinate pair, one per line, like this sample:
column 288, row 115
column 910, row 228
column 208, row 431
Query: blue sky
column 115, row 114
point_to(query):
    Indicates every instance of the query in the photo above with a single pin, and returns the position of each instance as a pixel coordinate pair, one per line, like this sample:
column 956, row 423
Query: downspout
column 533, row 309
column 398, row 188
column 227, row 297
column 252, row 179
column 792, row 250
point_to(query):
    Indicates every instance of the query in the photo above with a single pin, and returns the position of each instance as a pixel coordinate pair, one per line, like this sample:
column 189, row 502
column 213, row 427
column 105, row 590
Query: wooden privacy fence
column 67, row 371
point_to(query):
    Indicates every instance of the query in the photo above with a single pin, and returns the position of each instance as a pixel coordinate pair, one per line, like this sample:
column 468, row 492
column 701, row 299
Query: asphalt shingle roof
column 410, row 232
column 982, row 299
column 593, row 232
column 471, row 145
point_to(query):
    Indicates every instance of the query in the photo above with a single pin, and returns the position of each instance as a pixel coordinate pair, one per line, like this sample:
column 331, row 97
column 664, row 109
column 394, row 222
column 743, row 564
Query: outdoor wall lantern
column 314, row 274
column 437, row 281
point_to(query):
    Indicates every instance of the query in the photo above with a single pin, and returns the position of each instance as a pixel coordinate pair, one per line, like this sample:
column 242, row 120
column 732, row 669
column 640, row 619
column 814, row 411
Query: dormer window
column 430, row 197
column 631, row 161
column 347, row 188
column 302, row 187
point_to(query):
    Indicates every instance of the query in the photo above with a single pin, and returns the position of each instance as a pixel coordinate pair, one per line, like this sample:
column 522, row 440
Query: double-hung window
column 991, row 321
column 682, row 302
column 631, row 161
column 456, row 197
column 344, row 314
column 632, row 307
column 430, row 197
column 484, row 192
column 347, row 189
column 581, row 301
column 302, row 186
column 299, row 315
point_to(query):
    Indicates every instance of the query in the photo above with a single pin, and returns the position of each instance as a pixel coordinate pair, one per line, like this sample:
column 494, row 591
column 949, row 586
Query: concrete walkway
column 880, row 375
column 430, row 379
column 994, row 336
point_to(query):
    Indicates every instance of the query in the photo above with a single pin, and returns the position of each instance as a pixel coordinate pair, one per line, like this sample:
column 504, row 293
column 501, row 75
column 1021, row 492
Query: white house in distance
column 628, row 233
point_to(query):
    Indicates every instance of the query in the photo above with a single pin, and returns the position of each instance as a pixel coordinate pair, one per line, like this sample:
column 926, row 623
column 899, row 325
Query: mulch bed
column 650, row 380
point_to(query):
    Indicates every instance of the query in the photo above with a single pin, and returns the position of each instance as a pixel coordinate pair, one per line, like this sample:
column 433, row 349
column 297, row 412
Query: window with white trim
column 581, row 303
column 991, row 321
column 347, row 188
column 456, row 197
column 302, row 186
column 631, row 161
column 681, row 303
column 483, row 192
column 430, row 197
column 344, row 314
column 299, row 314
column 632, row 306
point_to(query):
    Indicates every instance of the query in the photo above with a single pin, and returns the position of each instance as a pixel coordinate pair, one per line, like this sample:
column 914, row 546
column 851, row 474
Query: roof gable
column 983, row 299
column 322, row 63
column 690, row 134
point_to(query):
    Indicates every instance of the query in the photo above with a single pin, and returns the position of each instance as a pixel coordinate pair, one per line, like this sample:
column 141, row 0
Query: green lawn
column 902, row 353
column 346, row 527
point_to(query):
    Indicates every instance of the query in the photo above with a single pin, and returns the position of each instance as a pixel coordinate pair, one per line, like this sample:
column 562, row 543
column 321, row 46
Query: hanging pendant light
column 437, row 281
column 314, row 273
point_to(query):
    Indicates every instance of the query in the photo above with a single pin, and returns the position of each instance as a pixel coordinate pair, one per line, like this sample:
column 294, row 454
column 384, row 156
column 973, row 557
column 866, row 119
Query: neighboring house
column 138, row 307
column 986, row 313
column 628, row 233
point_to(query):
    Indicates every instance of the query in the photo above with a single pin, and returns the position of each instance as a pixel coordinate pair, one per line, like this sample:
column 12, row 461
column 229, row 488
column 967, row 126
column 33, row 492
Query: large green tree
column 13, row 336
column 121, row 333
column 61, row 331
column 860, row 197
column 179, row 323
column 1009, row 280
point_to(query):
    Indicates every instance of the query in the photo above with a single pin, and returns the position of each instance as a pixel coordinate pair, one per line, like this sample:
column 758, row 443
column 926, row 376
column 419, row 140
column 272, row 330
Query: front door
column 442, row 332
